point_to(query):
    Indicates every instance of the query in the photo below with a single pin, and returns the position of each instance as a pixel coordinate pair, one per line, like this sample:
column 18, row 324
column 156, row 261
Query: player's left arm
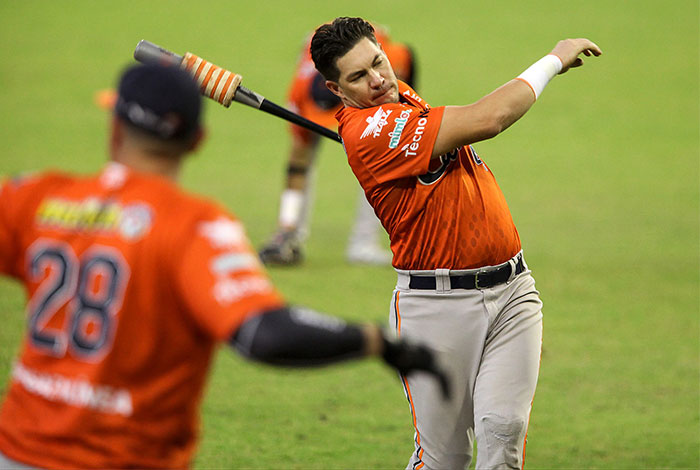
column 295, row 336
column 495, row 112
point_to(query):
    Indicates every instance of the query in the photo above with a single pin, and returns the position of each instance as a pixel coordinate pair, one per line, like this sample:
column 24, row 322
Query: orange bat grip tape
column 223, row 94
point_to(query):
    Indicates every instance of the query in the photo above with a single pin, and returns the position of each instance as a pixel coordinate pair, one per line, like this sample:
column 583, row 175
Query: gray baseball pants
column 489, row 342
column 9, row 464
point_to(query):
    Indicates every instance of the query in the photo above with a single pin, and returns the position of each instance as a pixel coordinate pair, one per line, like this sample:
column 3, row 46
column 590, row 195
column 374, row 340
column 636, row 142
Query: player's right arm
column 495, row 112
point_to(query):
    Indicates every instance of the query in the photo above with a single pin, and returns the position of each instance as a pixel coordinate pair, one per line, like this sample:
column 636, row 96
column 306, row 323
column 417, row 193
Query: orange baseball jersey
column 443, row 213
column 131, row 283
column 299, row 96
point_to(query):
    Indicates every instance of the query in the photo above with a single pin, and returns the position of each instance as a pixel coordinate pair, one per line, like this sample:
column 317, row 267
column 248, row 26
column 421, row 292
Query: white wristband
column 541, row 72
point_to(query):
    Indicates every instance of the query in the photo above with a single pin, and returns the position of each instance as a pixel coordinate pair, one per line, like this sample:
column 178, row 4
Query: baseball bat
column 223, row 86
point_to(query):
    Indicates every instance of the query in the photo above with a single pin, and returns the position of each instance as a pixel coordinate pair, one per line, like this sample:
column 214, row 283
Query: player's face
column 366, row 77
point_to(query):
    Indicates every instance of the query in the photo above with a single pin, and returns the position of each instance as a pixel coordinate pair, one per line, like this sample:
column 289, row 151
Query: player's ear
column 116, row 135
column 197, row 140
column 334, row 88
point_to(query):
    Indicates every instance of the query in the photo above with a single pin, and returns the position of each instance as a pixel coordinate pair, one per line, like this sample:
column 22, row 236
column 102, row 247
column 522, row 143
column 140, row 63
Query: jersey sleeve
column 16, row 197
column 391, row 141
column 8, row 249
column 220, row 277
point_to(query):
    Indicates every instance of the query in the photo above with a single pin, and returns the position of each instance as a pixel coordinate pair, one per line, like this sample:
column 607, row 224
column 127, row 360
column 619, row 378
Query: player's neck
column 140, row 162
column 142, row 154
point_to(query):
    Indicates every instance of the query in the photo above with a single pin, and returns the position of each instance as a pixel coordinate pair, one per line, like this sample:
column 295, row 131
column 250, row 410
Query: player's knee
column 500, row 441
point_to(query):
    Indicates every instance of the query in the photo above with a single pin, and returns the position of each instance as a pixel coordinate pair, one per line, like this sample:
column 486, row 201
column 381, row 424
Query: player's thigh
column 454, row 326
column 511, row 357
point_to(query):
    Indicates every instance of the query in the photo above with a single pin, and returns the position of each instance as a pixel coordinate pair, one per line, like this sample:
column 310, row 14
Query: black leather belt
column 478, row 280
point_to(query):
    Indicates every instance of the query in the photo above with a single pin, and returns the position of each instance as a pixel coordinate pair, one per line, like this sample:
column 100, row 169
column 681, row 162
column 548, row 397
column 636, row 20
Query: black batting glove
column 408, row 357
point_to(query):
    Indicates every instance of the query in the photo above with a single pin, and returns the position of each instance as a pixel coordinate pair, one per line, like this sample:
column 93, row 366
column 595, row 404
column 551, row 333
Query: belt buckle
column 476, row 279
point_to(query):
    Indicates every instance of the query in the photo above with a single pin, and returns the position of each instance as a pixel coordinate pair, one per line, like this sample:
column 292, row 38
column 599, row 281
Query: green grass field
column 602, row 177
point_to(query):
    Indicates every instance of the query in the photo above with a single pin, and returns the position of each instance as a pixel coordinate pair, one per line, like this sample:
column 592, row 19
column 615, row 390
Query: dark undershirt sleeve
column 297, row 337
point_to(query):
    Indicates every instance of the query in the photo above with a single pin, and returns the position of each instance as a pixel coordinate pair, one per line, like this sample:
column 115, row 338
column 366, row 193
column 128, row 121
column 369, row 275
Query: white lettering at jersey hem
column 75, row 392
column 376, row 123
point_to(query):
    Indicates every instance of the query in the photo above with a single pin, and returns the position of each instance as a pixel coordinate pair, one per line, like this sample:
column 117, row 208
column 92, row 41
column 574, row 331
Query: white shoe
column 368, row 254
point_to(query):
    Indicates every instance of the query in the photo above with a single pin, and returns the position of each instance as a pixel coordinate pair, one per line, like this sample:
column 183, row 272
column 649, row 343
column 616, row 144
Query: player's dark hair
column 333, row 40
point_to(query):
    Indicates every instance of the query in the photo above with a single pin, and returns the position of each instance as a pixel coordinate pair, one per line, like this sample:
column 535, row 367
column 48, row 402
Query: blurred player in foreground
column 131, row 283
column 463, row 284
column 309, row 97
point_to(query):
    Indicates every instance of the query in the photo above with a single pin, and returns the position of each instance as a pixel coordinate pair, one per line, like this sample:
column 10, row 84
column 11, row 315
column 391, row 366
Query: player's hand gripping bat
column 223, row 86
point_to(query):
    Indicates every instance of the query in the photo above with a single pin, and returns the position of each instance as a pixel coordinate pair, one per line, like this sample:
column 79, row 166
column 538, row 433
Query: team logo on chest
column 376, row 123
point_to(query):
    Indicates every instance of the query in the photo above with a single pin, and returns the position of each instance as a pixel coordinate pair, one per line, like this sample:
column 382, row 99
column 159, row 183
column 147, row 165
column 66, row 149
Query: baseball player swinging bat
column 223, row 86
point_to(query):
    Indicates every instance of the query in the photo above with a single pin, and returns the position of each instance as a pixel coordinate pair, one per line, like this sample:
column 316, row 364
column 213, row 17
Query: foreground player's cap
column 163, row 101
